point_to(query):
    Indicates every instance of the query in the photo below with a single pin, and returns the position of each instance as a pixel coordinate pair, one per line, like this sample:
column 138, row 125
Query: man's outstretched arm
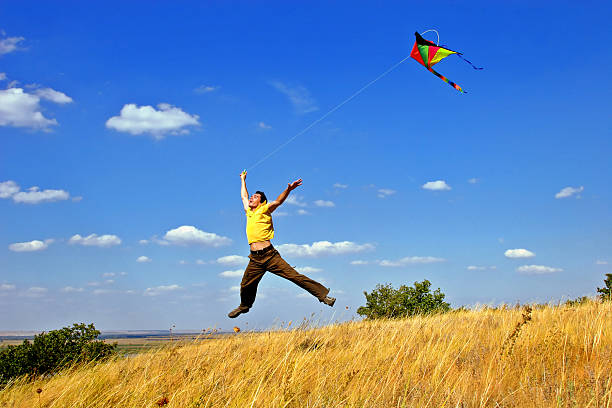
column 244, row 194
column 283, row 196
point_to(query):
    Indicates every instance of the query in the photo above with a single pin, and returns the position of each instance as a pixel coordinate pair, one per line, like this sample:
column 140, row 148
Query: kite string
column 335, row 108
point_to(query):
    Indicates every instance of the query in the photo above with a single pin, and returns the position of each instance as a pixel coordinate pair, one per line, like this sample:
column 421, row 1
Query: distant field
column 551, row 356
column 132, row 344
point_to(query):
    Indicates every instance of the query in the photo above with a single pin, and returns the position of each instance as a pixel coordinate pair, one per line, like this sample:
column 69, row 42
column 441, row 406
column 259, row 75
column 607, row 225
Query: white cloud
column 21, row 109
column 200, row 262
column 77, row 199
column 296, row 199
column 236, row 289
column 385, row 192
column 308, row 269
column 7, row 287
column 235, row 260
column 202, row 89
column 264, row 126
column 190, row 235
column 438, row 185
column 109, row 281
column 340, row 185
column 569, row 191
column 182, row 262
column 2, row 76
column 9, row 44
column 143, row 259
column 537, row 269
column 108, row 274
column 36, row 291
column 30, row 246
column 302, row 211
column 8, row 189
column 159, row 241
column 232, row 274
column 52, row 95
column 322, row 248
column 600, row 262
column 146, row 119
column 519, row 253
column 473, row 180
column 411, row 260
column 480, row 268
column 101, row 291
column 323, row 203
column 70, row 289
column 95, row 240
column 143, row 241
column 359, row 262
column 160, row 290
column 35, row 196
column 281, row 213
column 299, row 97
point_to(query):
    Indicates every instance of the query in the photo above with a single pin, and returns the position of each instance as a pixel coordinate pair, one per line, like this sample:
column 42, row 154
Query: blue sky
column 124, row 127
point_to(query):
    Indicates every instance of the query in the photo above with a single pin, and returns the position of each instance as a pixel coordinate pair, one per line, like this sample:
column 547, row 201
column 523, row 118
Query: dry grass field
column 554, row 356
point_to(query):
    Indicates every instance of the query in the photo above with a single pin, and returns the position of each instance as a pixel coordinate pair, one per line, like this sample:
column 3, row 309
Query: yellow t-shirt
column 259, row 224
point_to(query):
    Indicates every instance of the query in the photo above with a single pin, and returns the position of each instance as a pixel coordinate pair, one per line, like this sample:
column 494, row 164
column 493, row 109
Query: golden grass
column 557, row 356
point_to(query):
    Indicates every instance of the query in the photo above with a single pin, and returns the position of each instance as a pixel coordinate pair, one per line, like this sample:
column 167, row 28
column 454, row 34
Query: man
column 264, row 257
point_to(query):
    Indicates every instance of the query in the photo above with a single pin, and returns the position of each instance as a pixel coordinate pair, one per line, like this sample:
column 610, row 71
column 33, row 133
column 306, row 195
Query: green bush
column 578, row 301
column 52, row 351
column 606, row 292
column 388, row 302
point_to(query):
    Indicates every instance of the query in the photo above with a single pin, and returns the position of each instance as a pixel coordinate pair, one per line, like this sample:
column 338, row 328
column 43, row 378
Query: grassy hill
column 553, row 356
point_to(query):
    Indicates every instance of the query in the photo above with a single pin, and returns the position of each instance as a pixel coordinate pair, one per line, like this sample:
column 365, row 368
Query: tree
column 49, row 352
column 386, row 302
column 606, row 291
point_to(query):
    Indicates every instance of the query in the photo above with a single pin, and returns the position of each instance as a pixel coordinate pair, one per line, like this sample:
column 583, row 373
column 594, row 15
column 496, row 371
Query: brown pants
column 272, row 261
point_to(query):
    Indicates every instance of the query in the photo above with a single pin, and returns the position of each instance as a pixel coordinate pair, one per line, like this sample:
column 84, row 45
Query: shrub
column 52, row 351
column 606, row 291
column 386, row 302
column 578, row 301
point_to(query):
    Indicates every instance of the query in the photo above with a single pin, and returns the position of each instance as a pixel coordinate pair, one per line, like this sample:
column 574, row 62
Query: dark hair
column 262, row 195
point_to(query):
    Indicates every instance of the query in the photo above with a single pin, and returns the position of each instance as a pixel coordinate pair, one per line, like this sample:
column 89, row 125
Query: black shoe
column 238, row 311
column 329, row 301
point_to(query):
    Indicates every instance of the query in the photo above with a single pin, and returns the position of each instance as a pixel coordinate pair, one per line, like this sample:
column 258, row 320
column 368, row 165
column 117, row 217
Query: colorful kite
column 429, row 54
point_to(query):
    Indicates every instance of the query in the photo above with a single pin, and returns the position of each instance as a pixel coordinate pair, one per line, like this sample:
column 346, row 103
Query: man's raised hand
column 294, row 185
column 243, row 175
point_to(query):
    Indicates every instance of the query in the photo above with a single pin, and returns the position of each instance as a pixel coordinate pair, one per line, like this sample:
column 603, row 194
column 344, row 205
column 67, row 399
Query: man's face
column 255, row 200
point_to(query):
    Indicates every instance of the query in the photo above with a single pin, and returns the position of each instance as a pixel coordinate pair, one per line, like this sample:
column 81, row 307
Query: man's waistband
column 262, row 251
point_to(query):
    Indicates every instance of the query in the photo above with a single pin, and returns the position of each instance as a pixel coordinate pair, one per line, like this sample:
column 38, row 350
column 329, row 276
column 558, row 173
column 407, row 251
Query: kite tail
column 473, row 66
column 442, row 77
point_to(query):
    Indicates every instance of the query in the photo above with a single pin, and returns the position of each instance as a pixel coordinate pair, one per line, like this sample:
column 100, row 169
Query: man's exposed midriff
column 256, row 246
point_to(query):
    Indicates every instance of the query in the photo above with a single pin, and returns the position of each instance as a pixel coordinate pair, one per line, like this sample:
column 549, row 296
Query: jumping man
column 264, row 257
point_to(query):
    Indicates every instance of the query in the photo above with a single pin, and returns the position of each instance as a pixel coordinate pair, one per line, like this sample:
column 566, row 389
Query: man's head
column 258, row 198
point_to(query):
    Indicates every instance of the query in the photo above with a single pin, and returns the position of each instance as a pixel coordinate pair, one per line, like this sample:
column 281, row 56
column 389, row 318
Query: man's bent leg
column 248, row 287
column 280, row 267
